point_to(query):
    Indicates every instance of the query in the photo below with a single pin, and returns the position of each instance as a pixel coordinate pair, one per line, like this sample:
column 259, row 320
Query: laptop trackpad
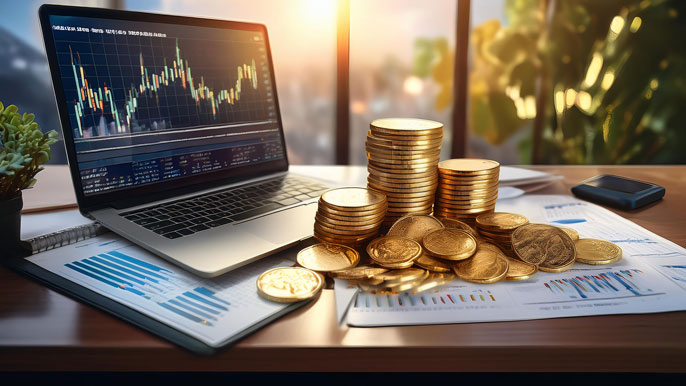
column 286, row 226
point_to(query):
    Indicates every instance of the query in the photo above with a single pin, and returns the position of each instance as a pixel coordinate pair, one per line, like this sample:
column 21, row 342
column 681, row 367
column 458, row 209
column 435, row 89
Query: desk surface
column 43, row 330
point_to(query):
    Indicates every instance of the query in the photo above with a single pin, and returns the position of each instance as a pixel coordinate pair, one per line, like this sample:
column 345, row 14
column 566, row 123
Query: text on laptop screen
column 151, row 102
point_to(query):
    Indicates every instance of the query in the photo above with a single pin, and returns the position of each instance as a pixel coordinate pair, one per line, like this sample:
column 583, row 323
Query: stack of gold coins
column 466, row 189
column 349, row 216
column 403, row 154
column 497, row 228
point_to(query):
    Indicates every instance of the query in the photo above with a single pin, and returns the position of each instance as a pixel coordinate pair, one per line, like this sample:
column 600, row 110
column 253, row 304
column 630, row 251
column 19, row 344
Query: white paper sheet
column 211, row 310
column 651, row 277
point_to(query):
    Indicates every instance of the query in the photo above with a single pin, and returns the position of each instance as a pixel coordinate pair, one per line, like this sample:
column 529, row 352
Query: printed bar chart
column 156, row 284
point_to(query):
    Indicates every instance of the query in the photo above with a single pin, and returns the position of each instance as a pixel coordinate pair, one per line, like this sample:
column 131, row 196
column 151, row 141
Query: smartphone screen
column 618, row 184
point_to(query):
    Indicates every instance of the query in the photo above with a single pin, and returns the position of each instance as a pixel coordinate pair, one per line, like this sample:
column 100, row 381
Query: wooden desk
column 43, row 330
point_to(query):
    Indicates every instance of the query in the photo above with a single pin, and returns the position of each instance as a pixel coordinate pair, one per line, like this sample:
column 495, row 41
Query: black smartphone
column 618, row 192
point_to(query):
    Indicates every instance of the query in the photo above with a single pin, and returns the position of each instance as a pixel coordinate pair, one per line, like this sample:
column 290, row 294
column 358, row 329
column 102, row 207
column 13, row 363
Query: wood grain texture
column 41, row 330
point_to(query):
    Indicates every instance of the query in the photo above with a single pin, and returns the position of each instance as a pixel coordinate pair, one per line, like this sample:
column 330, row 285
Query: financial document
column 650, row 277
column 211, row 310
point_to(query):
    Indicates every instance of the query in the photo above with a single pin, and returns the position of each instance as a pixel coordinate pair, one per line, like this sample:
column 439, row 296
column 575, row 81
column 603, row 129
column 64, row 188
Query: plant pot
column 10, row 221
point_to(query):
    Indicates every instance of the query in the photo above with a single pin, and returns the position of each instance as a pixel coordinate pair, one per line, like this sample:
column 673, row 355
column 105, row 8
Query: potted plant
column 23, row 148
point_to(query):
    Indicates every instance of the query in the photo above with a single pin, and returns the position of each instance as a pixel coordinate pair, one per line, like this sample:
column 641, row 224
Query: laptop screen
column 150, row 102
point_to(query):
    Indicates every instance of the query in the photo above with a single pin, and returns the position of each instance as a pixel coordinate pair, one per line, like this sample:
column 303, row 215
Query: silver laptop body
column 161, row 114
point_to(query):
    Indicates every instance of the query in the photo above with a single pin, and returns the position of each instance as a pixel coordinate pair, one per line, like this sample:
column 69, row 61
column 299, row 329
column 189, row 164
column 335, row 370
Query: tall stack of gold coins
column 466, row 189
column 403, row 154
column 349, row 216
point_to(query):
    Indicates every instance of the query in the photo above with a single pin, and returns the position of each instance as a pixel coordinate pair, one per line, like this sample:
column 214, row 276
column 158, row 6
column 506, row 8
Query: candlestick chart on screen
column 145, row 92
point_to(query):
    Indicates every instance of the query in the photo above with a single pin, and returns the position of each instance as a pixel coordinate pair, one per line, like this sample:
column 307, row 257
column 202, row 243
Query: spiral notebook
column 108, row 272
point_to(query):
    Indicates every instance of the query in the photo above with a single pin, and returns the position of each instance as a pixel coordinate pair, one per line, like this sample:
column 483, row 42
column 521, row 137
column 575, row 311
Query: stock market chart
column 148, row 101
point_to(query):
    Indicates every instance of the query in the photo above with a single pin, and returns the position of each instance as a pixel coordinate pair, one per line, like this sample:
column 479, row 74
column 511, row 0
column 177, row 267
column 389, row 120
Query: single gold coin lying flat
column 394, row 251
column 500, row 221
column 406, row 126
column 486, row 266
column 328, row 257
column 574, row 235
column 519, row 270
column 468, row 166
column 415, row 227
column 593, row 251
column 354, row 199
column 357, row 273
column 289, row 284
column 449, row 244
column 543, row 244
column 432, row 264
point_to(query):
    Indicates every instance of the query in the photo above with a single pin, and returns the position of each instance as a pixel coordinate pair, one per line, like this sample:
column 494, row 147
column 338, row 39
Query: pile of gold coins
column 466, row 239
column 349, row 216
column 403, row 154
column 466, row 188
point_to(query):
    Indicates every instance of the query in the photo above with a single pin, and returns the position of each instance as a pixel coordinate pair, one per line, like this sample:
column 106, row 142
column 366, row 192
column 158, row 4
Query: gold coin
column 289, row 284
column 504, row 237
column 406, row 126
column 328, row 257
column 345, row 233
column 432, row 179
column 404, row 185
column 395, row 174
column 439, row 207
column 433, row 282
column 484, row 243
column 403, row 287
column 404, row 142
column 594, row 251
column 469, row 192
column 468, row 167
column 574, row 235
column 378, row 134
column 326, row 210
column 394, row 251
column 519, row 270
column 473, row 205
column 404, row 163
column 357, row 273
column 359, row 228
column 432, row 264
column 349, row 221
column 486, row 266
column 449, row 244
column 543, row 244
column 457, row 224
column 399, row 190
column 402, row 169
column 500, row 221
column 353, row 199
column 402, row 275
column 414, row 227
column 339, row 239
column 490, row 179
column 399, row 154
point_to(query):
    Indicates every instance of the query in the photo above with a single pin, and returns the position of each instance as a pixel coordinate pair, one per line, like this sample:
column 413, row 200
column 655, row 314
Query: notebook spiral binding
column 65, row 237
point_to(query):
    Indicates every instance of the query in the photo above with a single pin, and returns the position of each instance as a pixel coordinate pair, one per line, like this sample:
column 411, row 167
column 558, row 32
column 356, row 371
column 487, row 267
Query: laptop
column 173, row 134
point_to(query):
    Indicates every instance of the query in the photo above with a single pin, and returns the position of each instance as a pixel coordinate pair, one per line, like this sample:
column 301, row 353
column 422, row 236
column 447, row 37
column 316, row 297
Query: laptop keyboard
column 190, row 215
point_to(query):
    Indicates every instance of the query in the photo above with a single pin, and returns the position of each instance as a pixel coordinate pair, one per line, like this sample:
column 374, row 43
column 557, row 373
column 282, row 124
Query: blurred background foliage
column 587, row 81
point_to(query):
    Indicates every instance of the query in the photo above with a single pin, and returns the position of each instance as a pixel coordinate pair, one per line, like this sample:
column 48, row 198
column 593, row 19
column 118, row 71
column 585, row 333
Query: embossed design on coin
column 328, row 257
column 289, row 284
column 486, row 266
column 450, row 244
column 593, row 251
column 541, row 244
column 390, row 251
column 415, row 227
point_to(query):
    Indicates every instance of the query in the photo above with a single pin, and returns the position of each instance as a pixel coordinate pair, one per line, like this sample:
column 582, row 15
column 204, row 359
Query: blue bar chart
column 155, row 284
column 446, row 298
column 599, row 285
